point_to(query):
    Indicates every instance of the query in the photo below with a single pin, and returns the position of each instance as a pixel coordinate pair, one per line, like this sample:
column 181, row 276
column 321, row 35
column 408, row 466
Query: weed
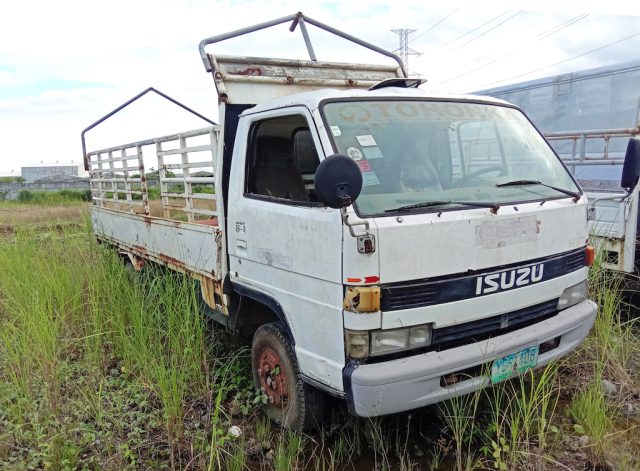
column 287, row 452
column 590, row 410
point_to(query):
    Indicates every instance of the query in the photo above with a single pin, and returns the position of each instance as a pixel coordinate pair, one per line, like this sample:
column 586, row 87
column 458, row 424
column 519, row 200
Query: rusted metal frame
column 593, row 133
column 295, row 21
column 182, row 150
column 358, row 41
column 186, row 181
column 166, row 138
column 201, row 196
column 301, row 63
column 583, row 146
column 110, row 200
column 118, row 159
column 217, row 155
column 307, row 39
column 124, row 105
column 114, row 185
column 304, row 81
column 102, row 193
column 116, row 179
column 579, row 154
column 127, row 183
column 593, row 161
column 143, row 181
column 189, row 179
column 162, row 174
column 192, row 211
column 190, row 165
column 236, row 33
column 159, row 258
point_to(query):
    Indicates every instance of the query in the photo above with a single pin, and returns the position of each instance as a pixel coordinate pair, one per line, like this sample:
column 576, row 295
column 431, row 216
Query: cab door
column 282, row 242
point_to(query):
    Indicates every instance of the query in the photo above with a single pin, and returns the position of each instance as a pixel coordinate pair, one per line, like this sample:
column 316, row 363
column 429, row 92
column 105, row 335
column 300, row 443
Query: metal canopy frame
column 296, row 19
column 124, row 105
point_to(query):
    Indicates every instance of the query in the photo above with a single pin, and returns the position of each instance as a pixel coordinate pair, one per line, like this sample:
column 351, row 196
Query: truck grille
column 492, row 326
column 477, row 331
column 431, row 291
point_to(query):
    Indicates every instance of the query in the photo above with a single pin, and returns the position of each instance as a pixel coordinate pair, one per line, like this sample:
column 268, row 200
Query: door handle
column 241, row 247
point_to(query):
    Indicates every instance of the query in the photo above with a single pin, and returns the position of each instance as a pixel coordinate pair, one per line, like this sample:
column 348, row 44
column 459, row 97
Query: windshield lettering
column 414, row 153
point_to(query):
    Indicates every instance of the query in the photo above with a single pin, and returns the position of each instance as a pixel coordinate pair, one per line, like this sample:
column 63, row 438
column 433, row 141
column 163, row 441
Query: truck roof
column 312, row 99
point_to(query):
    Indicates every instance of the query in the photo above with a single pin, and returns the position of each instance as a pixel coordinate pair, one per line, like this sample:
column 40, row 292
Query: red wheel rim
column 273, row 378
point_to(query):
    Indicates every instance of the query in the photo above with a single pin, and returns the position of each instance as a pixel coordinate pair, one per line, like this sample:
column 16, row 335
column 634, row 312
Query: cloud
column 42, row 86
column 59, row 74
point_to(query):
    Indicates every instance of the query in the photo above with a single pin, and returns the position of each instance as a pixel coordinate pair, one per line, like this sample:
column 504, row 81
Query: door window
column 282, row 160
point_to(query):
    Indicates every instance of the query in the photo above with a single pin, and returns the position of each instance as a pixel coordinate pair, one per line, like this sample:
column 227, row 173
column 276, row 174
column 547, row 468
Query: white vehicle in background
column 384, row 244
column 588, row 117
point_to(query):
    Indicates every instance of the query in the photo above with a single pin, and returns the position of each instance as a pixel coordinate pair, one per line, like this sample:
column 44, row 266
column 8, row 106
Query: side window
column 282, row 160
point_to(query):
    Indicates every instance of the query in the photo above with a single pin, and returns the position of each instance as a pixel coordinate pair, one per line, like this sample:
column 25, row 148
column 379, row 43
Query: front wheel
column 291, row 404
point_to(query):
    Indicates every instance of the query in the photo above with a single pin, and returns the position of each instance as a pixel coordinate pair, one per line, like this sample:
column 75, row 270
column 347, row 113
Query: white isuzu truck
column 382, row 243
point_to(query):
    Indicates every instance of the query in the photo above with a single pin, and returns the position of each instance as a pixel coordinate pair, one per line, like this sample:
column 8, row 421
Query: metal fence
column 119, row 179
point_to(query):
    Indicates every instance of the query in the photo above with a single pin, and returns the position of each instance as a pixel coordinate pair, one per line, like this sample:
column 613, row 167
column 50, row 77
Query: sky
column 65, row 64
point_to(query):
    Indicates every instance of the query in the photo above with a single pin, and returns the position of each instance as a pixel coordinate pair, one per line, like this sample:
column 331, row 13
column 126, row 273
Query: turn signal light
column 362, row 299
column 590, row 255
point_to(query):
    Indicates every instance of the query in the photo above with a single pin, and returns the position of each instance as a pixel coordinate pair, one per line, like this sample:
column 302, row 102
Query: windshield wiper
column 573, row 194
column 426, row 204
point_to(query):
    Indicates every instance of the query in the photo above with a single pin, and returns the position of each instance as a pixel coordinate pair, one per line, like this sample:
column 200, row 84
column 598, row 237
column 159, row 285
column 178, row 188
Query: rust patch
column 249, row 71
column 172, row 261
column 141, row 249
column 208, row 292
column 147, row 219
column 210, row 288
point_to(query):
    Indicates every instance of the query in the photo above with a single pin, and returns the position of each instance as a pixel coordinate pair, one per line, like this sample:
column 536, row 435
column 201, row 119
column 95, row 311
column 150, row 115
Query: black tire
column 300, row 406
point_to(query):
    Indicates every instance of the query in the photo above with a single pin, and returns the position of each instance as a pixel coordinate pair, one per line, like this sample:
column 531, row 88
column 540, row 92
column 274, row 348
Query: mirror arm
column 352, row 225
column 612, row 198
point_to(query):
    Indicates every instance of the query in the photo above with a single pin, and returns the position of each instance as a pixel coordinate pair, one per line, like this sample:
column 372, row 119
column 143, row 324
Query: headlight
column 383, row 341
column 573, row 295
column 360, row 344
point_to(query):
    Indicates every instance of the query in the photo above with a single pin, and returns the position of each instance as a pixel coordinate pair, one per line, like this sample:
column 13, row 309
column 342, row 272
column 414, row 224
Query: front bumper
column 412, row 382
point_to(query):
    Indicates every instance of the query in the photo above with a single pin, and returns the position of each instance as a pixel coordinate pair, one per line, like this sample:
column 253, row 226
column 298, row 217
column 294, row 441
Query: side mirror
column 338, row 181
column 631, row 168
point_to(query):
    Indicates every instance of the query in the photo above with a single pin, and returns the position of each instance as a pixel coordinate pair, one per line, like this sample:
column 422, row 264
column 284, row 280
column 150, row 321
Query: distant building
column 44, row 171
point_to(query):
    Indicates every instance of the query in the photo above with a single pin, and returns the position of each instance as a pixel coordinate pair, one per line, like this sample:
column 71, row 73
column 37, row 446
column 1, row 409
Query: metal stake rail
column 110, row 174
column 579, row 156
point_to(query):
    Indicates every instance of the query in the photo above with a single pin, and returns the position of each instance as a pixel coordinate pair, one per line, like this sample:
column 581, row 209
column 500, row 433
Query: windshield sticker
column 369, row 179
column 366, row 140
column 335, row 130
column 354, row 153
column 372, row 152
column 364, row 166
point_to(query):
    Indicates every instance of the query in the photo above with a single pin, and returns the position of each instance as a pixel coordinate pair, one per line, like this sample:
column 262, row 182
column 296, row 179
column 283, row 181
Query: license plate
column 514, row 364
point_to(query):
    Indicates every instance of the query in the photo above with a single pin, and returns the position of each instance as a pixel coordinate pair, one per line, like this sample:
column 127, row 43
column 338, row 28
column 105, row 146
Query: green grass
column 51, row 198
column 102, row 369
column 71, row 306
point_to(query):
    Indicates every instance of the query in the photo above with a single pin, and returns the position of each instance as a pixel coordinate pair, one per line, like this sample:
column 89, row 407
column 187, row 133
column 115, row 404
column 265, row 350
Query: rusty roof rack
column 296, row 19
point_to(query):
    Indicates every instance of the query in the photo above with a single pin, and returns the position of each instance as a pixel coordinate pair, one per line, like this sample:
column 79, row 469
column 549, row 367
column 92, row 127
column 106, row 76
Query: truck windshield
column 411, row 152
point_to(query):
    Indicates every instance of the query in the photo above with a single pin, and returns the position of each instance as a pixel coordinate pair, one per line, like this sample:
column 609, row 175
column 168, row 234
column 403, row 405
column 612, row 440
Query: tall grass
column 100, row 369
column 67, row 303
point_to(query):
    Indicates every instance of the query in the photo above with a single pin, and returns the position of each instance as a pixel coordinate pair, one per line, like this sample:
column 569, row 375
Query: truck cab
column 382, row 243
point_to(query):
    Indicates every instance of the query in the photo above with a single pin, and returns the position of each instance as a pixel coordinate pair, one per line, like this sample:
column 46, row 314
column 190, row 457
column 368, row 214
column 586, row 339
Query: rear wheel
column 291, row 404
